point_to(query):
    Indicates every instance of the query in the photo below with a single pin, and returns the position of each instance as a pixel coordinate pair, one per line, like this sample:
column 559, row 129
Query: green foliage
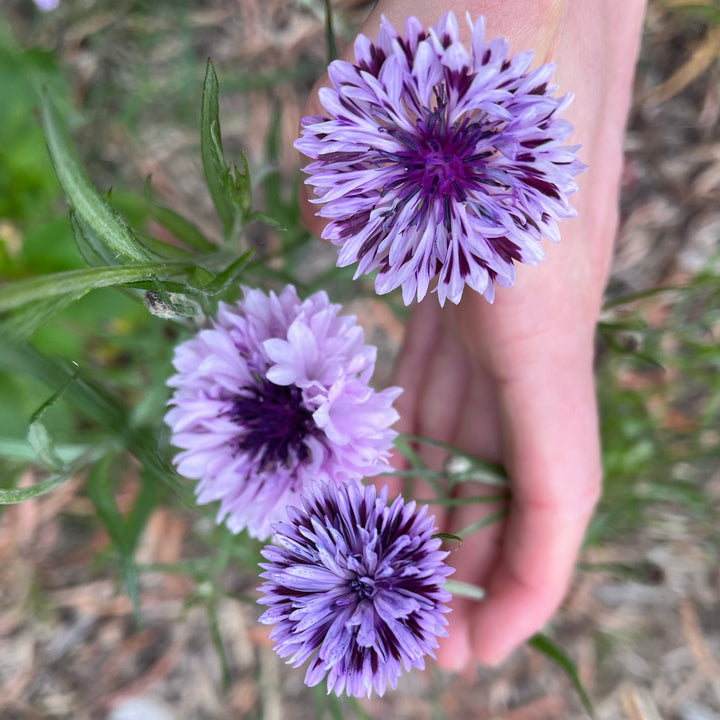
column 229, row 188
column 28, row 185
column 659, row 398
column 80, row 193
column 544, row 645
column 708, row 10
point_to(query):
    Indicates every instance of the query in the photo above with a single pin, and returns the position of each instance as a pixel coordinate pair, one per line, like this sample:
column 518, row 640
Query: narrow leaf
column 181, row 228
column 18, row 293
column 147, row 500
column 94, row 251
column 483, row 522
column 38, row 436
column 227, row 277
column 550, row 650
column 100, row 491
column 461, row 501
column 165, row 250
column 469, row 461
column 214, row 165
column 264, row 218
column 332, row 50
column 217, row 643
column 20, row 450
column 10, row 496
column 41, row 442
column 95, row 404
column 81, row 194
column 463, row 589
column 129, row 575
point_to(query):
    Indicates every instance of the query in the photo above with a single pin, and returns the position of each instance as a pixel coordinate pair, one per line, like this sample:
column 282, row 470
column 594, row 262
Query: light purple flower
column 273, row 397
column 354, row 586
column 438, row 162
column 47, row 5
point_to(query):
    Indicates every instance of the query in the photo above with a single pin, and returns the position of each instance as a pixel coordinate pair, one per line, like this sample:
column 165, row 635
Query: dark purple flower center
column 274, row 423
column 364, row 587
column 443, row 159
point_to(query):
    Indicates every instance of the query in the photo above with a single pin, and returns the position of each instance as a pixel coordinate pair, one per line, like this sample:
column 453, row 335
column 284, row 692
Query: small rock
column 141, row 708
column 694, row 711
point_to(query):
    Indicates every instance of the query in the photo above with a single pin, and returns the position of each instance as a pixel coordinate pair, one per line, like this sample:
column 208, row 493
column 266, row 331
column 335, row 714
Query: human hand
column 512, row 382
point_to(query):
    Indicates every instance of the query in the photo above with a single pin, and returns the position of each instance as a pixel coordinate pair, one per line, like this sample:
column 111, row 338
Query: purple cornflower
column 273, row 397
column 439, row 162
column 47, row 5
column 355, row 586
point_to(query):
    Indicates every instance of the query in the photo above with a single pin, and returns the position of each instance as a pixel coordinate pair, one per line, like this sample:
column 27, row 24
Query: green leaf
column 701, row 10
column 41, row 442
column 81, row 194
column 38, row 436
column 20, row 450
column 93, row 250
column 463, row 589
column 129, row 576
column 483, row 522
column 470, row 464
column 150, row 494
column 264, row 218
column 21, row 324
column 550, row 650
column 101, row 493
column 213, row 160
column 95, row 404
column 478, row 475
column 181, row 228
column 332, row 50
column 239, row 184
column 10, row 496
column 166, row 250
column 227, row 277
column 20, row 292
column 460, row 501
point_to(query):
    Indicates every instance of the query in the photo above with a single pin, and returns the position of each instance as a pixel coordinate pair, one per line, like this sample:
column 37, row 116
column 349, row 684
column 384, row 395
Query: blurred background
column 642, row 619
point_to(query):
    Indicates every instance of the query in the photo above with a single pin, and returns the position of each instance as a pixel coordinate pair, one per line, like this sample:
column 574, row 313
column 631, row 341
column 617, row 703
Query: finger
column 421, row 335
column 441, row 397
column 474, row 559
column 437, row 370
column 551, row 436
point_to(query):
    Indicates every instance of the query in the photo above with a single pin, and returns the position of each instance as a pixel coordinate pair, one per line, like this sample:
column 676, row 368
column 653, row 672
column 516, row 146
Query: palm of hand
column 513, row 382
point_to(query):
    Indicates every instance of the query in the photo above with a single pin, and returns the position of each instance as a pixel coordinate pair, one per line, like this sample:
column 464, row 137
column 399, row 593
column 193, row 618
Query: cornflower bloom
column 355, row 586
column 438, row 162
column 275, row 396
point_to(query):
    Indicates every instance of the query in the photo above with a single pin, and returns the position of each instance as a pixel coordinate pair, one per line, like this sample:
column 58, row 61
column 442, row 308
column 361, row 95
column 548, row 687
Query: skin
column 512, row 382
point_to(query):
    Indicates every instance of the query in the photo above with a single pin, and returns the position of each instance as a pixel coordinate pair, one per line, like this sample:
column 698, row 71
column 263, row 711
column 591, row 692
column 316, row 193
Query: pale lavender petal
column 272, row 398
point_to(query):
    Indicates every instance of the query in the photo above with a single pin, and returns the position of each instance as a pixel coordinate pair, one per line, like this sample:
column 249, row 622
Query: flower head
column 355, row 586
column 275, row 396
column 438, row 162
